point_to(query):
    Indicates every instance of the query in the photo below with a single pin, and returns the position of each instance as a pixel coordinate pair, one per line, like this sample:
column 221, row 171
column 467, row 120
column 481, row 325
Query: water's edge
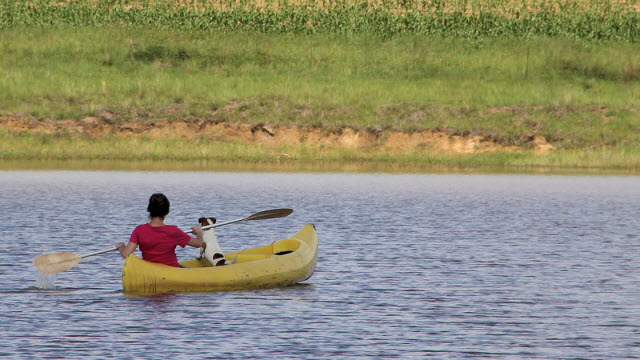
column 290, row 166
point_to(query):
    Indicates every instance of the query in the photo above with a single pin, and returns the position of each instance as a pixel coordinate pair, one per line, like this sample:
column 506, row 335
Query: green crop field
column 594, row 19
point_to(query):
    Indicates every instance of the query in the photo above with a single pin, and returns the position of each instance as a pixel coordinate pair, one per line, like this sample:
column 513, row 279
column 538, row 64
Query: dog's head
column 204, row 221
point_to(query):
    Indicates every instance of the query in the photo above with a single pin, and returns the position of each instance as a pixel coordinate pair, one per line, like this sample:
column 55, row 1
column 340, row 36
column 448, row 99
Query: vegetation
column 586, row 19
column 505, row 70
column 64, row 150
column 576, row 94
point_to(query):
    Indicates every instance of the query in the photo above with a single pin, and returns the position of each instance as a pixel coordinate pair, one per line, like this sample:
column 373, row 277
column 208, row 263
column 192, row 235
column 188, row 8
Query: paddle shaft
column 99, row 252
column 262, row 215
column 216, row 225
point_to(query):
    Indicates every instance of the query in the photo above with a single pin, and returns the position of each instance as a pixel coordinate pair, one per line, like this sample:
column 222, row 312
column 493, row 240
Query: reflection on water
column 293, row 166
column 410, row 266
column 208, row 165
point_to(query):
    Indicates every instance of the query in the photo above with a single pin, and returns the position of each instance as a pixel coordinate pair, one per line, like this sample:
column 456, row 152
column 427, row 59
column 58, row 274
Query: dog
column 211, row 249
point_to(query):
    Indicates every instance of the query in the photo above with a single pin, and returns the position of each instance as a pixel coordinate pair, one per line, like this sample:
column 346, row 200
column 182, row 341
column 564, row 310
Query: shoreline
column 346, row 138
column 291, row 167
column 200, row 145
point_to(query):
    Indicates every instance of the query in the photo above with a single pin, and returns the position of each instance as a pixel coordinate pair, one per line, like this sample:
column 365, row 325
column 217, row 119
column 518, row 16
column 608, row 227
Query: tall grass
column 593, row 19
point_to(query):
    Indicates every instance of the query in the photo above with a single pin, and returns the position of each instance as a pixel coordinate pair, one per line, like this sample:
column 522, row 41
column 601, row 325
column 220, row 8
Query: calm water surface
column 410, row 266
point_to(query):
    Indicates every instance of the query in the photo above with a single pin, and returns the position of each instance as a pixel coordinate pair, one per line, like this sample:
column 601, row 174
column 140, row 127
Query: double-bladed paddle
column 62, row 261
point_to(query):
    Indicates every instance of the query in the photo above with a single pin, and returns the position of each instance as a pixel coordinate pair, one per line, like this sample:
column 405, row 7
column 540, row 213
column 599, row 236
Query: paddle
column 58, row 262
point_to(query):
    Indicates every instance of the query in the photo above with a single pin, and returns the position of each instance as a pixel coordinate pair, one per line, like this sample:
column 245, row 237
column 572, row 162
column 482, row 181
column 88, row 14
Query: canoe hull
column 282, row 263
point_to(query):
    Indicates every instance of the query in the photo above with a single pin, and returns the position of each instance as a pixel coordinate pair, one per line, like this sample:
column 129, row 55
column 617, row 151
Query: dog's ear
column 203, row 221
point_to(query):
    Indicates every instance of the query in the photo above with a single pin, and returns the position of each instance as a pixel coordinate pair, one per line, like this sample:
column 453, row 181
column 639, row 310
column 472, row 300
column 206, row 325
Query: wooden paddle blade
column 269, row 214
column 56, row 262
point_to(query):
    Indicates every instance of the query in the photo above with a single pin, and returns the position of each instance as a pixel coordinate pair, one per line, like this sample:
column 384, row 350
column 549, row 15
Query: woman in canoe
column 158, row 241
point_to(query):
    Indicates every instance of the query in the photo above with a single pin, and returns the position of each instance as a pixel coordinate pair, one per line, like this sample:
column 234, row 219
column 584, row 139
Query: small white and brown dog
column 211, row 250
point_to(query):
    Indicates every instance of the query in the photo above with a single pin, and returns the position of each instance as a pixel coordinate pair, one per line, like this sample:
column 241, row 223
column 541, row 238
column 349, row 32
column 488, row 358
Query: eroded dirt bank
column 347, row 138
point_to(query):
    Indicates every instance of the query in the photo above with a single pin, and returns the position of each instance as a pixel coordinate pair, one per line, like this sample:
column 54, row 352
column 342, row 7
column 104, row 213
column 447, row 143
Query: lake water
column 410, row 266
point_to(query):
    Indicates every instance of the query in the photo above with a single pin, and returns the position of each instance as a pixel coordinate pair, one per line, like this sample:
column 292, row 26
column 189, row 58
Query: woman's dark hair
column 158, row 205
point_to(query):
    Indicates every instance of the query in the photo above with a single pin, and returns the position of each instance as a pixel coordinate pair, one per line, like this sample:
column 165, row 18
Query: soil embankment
column 345, row 138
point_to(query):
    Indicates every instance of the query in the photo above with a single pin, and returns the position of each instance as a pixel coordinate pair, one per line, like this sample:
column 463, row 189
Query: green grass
column 579, row 94
column 583, row 96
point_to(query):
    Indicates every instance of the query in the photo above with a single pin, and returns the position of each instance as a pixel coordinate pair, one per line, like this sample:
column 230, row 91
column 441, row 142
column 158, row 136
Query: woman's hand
column 199, row 239
column 197, row 230
column 126, row 249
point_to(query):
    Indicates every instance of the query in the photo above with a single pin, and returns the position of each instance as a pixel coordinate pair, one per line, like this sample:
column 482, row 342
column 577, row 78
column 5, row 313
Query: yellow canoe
column 282, row 263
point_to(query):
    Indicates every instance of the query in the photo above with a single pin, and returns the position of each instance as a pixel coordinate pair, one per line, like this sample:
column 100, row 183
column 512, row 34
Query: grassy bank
column 568, row 71
column 28, row 150
column 577, row 94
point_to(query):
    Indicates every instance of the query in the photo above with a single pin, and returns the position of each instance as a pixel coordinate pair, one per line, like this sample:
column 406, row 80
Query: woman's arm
column 126, row 250
column 199, row 239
